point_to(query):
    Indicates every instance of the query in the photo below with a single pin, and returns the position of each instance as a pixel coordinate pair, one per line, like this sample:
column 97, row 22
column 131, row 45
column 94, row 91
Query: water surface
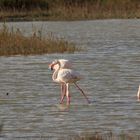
column 110, row 65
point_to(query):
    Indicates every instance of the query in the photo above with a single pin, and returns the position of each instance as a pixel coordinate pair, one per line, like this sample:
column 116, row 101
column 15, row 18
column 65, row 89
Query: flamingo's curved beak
column 51, row 67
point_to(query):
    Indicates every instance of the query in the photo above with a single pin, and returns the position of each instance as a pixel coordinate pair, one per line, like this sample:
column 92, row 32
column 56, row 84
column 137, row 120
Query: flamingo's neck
column 54, row 76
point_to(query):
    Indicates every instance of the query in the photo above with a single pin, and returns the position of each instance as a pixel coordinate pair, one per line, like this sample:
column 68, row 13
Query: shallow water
column 111, row 69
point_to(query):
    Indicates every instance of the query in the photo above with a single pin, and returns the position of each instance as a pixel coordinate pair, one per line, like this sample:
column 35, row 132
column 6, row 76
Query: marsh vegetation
column 68, row 9
column 14, row 42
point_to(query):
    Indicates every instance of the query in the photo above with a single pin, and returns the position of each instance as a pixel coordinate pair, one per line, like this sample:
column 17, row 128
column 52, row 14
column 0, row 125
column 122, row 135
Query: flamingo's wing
column 67, row 64
column 68, row 75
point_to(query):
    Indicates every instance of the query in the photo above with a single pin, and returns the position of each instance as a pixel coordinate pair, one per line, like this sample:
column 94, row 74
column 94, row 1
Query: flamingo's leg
column 63, row 93
column 82, row 93
column 67, row 94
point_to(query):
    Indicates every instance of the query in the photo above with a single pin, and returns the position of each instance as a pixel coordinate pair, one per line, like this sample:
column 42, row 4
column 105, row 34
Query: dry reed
column 69, row 9
column 15, row 43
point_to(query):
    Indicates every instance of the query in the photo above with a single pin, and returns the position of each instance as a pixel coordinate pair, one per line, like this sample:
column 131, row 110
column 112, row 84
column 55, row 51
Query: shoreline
column 59, row 19
column 30, row 19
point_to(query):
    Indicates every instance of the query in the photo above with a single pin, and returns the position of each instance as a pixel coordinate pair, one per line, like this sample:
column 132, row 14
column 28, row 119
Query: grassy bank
column 68, row 9
column 13, row 42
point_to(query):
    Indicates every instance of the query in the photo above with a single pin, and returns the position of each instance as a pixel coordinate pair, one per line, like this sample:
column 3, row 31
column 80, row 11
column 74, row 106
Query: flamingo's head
column 53, row 65
column 62, row 63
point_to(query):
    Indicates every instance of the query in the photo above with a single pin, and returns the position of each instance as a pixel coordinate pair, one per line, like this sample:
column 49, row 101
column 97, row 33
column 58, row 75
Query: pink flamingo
column 138, row 94
column 64, row 64
column 65, row 76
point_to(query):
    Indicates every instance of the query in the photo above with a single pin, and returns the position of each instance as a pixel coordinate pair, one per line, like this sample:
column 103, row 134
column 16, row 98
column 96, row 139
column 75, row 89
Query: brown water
column 111, row 69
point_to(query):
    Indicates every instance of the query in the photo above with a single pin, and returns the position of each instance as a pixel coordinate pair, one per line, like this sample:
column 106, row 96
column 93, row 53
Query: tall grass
column 68, row 9
column 97, row 9
column 15, row 43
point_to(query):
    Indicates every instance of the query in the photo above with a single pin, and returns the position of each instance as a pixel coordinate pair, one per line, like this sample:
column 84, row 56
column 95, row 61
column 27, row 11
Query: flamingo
column 66, row 76
column 138, row 94
column 64, row 64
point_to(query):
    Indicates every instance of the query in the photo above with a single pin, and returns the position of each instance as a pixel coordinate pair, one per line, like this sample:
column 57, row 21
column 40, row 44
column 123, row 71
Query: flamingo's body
column 138, row 94
column 64, row 64
column 65, row 76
